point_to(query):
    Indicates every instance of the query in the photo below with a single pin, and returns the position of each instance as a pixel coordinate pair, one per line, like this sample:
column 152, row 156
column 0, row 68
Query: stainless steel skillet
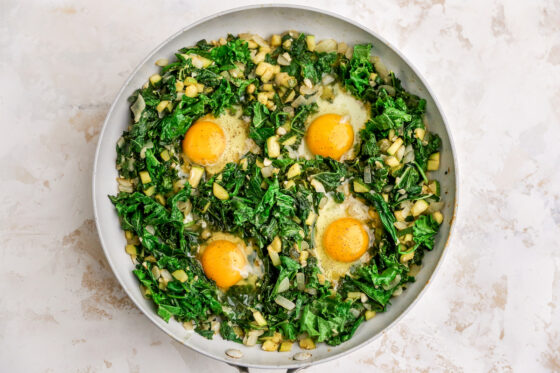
column 265, row 20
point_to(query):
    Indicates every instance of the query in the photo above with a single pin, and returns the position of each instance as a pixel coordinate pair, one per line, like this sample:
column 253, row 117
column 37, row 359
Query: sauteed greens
column 270, row 198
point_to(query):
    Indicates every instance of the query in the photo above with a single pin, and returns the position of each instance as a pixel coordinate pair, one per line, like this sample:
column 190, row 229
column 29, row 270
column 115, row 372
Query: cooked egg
column 330, row 135
column 345, row 240
column 204, row 142
column 333, row 130
column 227, row 260
column 213, row 142
column 342, row 237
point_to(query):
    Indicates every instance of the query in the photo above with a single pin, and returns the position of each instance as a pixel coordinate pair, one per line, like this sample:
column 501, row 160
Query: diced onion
column 355, row 312
column 408, row 157
column 393, row 283
column 184, row 206
column 138, row 107
column 319, row 187
column 147, row 146
column 267, row 171
column 326, row 46
column 284, row 285
column 300, row 100
column 387, row 188
column 274, row 257
column 300, row 281
column 390, row 89
column 311, row 291
column 305, row 90
column 252, row 336
column 380, row 68
column 400, row 225
column 434, row 206
column 328, row 79
column 367, row 174
column 285, row 302
column 406, row 206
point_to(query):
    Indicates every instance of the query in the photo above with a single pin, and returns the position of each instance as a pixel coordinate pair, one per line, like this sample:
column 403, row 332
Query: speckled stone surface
column 495, row 303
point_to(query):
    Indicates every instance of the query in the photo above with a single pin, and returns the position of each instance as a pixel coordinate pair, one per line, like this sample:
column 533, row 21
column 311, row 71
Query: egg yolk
column 222, row 262
column 345, row 240
column 204, row 142
column 330, row 135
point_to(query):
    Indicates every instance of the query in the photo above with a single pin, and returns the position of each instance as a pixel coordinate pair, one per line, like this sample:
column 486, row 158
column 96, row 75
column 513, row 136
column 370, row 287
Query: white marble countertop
column 495, row 303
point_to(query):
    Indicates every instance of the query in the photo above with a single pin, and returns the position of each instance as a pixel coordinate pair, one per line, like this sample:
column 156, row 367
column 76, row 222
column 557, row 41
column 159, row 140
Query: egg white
column 331, row 211
column 343, row 104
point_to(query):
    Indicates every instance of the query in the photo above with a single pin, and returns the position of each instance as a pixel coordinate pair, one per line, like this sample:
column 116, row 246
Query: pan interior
column 263, row 20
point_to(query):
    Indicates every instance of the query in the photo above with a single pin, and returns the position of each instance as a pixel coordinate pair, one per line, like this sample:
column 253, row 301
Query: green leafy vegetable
column 271, row 199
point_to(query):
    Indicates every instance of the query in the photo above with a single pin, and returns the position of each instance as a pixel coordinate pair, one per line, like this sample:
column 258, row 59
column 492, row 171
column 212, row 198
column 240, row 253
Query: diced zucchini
column 145, row 177
column 150, row 191
column 360, row 187
column 276, row 244
column 162, row 105
column 392, row 161
column 290, row 141
column 395, row 170
column 407, row 257
column 307, row 344
column 433, row 186
column 311, row 218
column 275, row 40
column 433, row 162
column 273, row 147
column 383, row 144
column 150, row 258
column 274, row 257
column 419, row 133
column 303, row 257
column 310, row 42
column 269, row 346
column 180, row 275
column 438, row 217
column 160, row 199
column 165, row 155
column 370, row 314
column 259, row 318
column 354, row 295
column 294, row 170
column 145, row 291
column 286, row 346
column 244, row 164
column 195, row 176
column 395, row 146
column 219, row 192
column 189, row 80
column 131, row 250
column 154, row 79
column 399, row 215
column 419, row 207
column 288, row 184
